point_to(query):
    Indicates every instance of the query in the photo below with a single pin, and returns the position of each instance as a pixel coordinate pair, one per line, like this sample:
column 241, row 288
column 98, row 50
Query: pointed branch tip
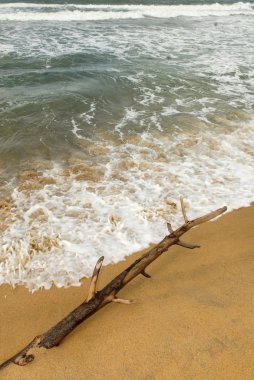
column 99, row 263
column 209, row 216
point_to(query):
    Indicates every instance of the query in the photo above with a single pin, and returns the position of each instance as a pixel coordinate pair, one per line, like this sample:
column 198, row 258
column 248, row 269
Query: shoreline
column 192, row 319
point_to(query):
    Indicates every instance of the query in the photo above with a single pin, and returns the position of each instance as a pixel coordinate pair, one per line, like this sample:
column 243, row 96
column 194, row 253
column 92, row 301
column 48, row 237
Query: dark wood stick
column 96, row 300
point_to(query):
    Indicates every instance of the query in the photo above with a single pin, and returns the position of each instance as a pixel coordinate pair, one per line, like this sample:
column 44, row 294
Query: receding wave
column 58, row 220
column 76, row 12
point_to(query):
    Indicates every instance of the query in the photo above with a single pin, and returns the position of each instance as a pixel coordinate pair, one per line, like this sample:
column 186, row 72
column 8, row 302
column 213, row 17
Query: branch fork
column 186, row 221
column 98, row 299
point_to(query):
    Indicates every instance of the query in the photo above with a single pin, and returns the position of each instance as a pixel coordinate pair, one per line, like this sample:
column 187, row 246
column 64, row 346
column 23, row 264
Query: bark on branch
column 96, row 300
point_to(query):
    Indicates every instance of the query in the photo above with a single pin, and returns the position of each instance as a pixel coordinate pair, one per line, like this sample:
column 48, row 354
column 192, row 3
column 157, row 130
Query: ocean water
column 110, row 112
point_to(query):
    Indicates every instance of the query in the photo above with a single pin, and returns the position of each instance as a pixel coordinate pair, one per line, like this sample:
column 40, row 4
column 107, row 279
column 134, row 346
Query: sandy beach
column 192, row 320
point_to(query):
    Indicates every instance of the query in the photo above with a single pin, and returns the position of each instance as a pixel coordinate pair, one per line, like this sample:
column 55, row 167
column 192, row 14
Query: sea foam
column 58, row 221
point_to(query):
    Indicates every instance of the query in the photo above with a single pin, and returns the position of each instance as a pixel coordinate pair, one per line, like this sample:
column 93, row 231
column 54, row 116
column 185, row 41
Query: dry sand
column 194, row 319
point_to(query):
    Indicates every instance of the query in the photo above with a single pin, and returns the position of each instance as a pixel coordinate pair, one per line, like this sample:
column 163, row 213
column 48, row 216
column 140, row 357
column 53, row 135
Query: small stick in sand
column 96, row 300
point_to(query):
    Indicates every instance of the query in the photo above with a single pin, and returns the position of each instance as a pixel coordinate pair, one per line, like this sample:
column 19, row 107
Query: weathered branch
column 96, row 300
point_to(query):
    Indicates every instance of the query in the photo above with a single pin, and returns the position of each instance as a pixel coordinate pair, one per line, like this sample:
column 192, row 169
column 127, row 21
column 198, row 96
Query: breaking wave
column 76, row 12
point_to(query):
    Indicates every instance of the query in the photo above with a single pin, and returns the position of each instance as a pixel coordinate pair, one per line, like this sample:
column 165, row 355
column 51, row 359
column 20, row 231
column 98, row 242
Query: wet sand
column 192, row 320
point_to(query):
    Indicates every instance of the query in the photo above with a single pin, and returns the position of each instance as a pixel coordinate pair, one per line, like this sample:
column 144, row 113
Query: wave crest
column 77, row 12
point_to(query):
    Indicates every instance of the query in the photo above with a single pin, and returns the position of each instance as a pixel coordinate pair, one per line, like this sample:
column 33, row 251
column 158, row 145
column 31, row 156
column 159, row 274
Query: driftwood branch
column 96, row 300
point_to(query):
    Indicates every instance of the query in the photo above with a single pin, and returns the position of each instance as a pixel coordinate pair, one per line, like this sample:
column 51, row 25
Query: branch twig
column 94, row 279
column 183, row 210
column 96, row 300
column 187, row 245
